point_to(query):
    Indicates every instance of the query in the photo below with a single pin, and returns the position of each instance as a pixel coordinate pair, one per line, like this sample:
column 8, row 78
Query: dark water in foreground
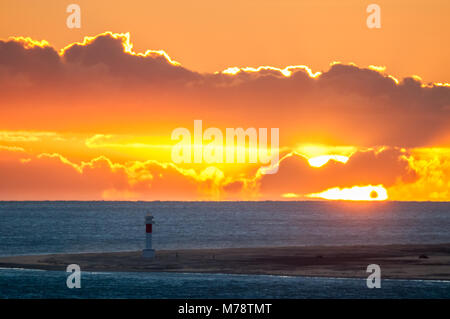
column 52, row 284
column 55, row 227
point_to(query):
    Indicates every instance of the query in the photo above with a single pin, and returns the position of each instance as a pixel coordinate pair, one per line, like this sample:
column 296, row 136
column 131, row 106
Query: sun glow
column 28, row 42
column 323, row 159
column 287, row 71
column 367, row 193
column 315, row 150
column 318, row 154
column 290, row 195
column 378, row 68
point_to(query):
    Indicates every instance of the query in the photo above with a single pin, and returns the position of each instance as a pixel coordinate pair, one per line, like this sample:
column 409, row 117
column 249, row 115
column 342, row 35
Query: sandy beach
column 396, row 261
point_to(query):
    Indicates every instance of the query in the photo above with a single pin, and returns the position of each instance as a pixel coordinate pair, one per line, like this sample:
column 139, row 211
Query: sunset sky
column 87, row 114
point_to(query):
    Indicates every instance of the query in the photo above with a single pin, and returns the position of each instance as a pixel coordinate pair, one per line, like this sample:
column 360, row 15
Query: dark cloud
column 37, row 63
column 109, row 51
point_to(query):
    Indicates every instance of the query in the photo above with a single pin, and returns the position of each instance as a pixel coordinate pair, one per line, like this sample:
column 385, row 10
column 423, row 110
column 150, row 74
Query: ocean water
column 52, row 284
column 56, row 227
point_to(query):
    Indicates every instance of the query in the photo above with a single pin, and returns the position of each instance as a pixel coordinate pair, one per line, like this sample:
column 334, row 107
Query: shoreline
column 422, row 262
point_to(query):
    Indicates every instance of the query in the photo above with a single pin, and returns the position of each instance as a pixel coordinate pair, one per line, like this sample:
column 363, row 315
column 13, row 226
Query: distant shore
column 396, row 261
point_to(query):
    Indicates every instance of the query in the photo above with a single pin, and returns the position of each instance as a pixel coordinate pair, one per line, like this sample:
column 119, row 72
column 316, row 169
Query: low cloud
column 51, row 175
column 296, row 176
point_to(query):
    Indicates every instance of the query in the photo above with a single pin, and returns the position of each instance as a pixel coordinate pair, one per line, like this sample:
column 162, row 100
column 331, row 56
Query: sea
column 72, row 226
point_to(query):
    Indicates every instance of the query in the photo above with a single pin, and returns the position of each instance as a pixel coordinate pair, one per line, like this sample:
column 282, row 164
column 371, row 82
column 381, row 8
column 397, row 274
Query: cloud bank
column 102, row 88
column 346, row 104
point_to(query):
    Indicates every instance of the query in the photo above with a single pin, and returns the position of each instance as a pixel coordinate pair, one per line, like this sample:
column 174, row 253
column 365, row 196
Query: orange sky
column 94, row 121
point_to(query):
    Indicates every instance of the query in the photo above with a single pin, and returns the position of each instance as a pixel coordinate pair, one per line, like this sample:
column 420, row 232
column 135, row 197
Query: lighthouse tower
column 148, row 252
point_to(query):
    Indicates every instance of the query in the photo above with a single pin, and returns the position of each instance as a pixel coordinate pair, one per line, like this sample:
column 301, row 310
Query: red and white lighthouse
column 148, row 252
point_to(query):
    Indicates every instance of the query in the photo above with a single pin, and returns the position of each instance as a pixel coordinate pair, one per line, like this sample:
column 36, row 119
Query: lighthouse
column 148, row 252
